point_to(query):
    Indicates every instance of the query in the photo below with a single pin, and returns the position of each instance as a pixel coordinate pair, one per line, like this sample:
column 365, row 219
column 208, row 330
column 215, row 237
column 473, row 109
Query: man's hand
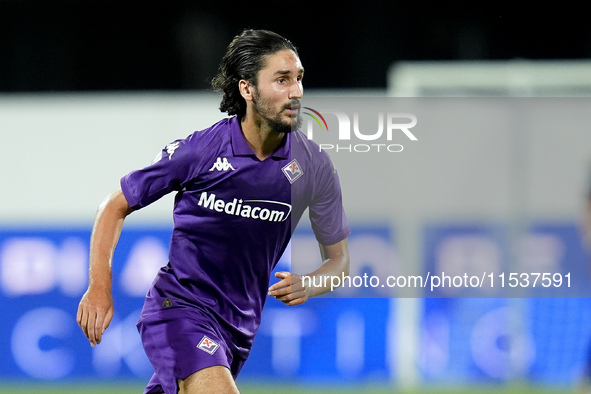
column 289, row 290
column 94, row 314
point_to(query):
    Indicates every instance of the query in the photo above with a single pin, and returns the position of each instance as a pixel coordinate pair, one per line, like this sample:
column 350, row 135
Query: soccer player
column 242, row 185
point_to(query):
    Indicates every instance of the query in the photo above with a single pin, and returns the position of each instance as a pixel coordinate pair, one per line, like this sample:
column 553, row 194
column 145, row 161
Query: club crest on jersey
column 208, row 345
column 222, row 165
column 293, row 171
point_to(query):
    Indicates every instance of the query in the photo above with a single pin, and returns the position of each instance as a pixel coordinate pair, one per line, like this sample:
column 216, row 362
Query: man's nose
column 297, row 91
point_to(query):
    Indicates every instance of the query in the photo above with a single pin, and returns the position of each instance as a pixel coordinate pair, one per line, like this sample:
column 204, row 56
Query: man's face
column 279, row 90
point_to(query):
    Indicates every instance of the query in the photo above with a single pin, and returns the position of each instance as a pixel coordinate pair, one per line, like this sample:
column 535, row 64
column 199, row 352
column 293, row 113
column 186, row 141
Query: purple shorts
column 181, row 341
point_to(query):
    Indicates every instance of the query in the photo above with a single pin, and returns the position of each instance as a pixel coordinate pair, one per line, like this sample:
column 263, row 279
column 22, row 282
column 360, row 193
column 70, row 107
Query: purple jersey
column 233, row 218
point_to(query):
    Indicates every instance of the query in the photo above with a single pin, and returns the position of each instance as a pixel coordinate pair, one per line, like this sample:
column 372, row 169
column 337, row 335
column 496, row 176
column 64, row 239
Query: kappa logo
column 222, row 165
column 170, row 148
column 293, row 171
column 208, row 345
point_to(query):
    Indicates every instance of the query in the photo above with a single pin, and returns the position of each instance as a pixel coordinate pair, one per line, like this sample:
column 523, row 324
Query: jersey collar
column 241, row 148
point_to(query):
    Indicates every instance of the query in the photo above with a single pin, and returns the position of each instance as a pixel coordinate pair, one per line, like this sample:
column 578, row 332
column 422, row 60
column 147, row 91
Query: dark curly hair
column 244, row 58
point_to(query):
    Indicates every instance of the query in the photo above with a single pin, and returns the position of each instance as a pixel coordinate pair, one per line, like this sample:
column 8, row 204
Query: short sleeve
column 167, row 173
column 327, row 215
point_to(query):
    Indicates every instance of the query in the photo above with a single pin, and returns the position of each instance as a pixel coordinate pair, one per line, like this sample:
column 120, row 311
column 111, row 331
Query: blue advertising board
column 500, row 337
column 43, row 274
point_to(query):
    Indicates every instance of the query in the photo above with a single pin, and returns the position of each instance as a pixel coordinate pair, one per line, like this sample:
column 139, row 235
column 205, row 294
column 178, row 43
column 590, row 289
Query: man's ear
column 246, row 89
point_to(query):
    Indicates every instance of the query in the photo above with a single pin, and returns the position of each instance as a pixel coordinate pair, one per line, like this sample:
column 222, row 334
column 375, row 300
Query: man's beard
column 276, row 122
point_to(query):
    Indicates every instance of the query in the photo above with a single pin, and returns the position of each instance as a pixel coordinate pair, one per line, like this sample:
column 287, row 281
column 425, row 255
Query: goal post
column 512, row 78
column 519, row 78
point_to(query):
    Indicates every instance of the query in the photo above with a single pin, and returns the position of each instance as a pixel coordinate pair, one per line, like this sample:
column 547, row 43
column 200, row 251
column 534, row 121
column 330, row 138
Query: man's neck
column 262, row 140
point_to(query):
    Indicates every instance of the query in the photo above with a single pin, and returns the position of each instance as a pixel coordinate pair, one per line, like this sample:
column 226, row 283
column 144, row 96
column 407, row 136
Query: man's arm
column 96, row 307
column 291, row 290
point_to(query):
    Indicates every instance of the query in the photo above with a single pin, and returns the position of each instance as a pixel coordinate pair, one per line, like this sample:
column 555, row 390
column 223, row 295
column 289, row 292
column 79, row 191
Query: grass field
column 137, row 388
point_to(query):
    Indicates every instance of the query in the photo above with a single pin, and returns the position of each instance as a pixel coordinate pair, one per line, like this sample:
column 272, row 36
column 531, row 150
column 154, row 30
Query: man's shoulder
column 304, row 148
column 216, row 133
column 200, row 144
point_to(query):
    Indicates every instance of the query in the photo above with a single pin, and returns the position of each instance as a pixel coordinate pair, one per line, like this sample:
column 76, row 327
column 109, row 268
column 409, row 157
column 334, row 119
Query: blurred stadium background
column 90, row 90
